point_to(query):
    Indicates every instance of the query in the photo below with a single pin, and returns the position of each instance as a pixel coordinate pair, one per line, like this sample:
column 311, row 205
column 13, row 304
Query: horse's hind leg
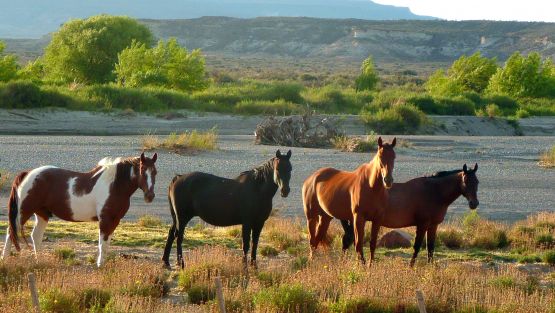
column 7, row 245
column 180, row 234
column 168, row 247
column 322, row 228
column 349, row 236
column 38, row 232
column 431, row 239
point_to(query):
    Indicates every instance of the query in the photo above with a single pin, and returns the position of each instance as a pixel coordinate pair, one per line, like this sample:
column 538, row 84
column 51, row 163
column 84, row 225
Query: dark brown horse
column 423, row 202
column 357, row 196
column 99, row 195
column 245, row 200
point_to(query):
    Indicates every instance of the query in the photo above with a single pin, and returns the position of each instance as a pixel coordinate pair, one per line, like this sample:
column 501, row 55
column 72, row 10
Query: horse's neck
column 449, row 188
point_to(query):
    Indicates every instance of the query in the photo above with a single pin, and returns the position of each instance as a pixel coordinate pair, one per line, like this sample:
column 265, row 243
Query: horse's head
column 469, row 186
column 386, row 158
column 147, row 176
column 282, row 172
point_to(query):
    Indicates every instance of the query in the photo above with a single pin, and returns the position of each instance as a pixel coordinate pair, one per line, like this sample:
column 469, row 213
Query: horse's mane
column 443, row 173
column 263, row 171
column 118, row 169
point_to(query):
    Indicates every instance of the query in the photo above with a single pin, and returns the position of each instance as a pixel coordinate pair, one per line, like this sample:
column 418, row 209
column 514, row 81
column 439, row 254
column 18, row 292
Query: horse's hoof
column 167, row 266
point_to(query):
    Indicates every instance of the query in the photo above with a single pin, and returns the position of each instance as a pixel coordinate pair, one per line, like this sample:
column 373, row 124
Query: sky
column 505, row 10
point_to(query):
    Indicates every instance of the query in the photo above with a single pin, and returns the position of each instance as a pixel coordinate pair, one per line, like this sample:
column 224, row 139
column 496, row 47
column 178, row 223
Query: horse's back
column 328, row 189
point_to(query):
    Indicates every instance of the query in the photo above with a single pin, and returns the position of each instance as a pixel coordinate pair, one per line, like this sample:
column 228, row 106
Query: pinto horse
column 245, row 200
column 357, row 196
column 101, row 194
column 423, row 202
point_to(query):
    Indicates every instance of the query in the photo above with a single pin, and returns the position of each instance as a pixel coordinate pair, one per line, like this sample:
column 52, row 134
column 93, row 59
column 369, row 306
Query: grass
column 547, row 159
column 5, row 179
column 332, row 281
column 180, row 143
column 356, row 144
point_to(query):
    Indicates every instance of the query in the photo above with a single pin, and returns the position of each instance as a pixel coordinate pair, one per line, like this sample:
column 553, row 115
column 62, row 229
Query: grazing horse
column 357, row 196
column 245, row 200
column 99, row 195
column 423, row 202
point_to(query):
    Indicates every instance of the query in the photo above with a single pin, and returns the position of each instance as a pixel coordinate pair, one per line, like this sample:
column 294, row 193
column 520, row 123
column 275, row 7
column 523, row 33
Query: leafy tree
column 468, row 73
column 86, row 50
column 8, row 65
column 525, row 76
column 33, row 71
column 167, row 64
column 368, row 78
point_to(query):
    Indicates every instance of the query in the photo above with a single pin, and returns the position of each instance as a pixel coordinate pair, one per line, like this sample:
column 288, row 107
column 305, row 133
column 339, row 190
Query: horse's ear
column 475, row 167
column 393, row 142
column 289, row 154
column 278, row 153
column 380, row 142
column 142, row 157
column 154, row 157
column 465, row 169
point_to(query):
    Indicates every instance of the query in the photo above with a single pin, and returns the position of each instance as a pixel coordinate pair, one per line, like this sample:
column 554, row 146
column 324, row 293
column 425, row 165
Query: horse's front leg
column 255, row 236
column 420, row 230
column 374, row 238
column 359, row 222
column 106, row 229
column 246, row 234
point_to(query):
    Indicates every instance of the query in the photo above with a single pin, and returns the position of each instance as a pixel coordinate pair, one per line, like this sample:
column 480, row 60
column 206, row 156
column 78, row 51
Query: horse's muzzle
column 285, row 192
column 149, row 196
column 473, row 204
column 388, row 182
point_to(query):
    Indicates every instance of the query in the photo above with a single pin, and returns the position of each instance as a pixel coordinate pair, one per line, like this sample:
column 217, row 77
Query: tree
column 167, row 64
column 86, row 50
column 368, row 78
column 524, row 76
column 8, row 65
column 465, row 74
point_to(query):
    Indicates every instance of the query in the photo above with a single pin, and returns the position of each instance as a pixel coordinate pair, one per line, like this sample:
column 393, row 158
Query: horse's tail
column 14, row 215
column 172, row 204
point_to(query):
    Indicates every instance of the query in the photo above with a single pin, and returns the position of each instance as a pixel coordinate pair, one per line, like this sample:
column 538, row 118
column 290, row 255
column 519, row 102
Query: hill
column 347, row 39
column 35, row 18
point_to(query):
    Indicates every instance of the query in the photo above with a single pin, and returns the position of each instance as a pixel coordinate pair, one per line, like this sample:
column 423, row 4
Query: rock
column 395, row 239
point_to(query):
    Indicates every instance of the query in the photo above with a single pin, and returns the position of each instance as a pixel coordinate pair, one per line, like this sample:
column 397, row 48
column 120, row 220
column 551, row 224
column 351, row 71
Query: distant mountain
column 35, row 18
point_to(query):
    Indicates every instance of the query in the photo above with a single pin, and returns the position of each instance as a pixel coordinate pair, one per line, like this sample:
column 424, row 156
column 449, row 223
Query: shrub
column 547, row 159
column 64, row 253
column 93, row 298
column 5, row 179
column 545, row 241
column 56, row 301
column 529, row 258
column 268, row 251
column 149, row 221
column 287, row 298
column 367, row 305
column 451, row 238
column 492, row 110
column 399, row 119
column 333, row 99
column 549, row 257
column 522, row 113
column 269, row 278
column 456, row 106
column 275, row 107
column 355, row 144
column 200, row 293
column 299, row 263
column 194, row 140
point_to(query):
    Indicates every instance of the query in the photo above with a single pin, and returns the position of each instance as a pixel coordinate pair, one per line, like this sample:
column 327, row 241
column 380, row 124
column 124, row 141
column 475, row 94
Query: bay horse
column 245, row 200
column 357, row 196
column 423, row 202
column 101, row 194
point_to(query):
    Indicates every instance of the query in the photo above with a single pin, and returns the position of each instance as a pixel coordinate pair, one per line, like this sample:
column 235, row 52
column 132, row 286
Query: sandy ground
column 60, row 122
column 511, row 184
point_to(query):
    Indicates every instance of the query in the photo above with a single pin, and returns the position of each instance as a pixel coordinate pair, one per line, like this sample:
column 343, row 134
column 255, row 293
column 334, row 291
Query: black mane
column 443, row 173
column 262, row 172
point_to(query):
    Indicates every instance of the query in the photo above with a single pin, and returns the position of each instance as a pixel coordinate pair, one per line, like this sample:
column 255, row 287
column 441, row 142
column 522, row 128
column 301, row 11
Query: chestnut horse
column 245, row 200
column 423, row 202
column 357, row 196
column 99, row 195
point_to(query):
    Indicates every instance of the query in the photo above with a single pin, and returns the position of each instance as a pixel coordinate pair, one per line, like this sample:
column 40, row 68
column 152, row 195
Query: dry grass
column 547, row 159
column 185, row 142
column 289, row 282
column 355, row 144
column 5, row 179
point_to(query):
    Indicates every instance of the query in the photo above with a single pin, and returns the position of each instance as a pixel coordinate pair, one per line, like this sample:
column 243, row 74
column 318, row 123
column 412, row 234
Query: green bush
column 529, row 258
column 64, row 253
column 333, row 99
column 522, row 113
column 269, row 278
column 544, row 240
column 93, row 298
column 549, row 257
column 503, row 282
column 268, row 251
column 492, row 110
column 367, row 305
column 200, row 293
column 399, row 119
column 276, row 107
column 56, row 301
column 287, row 298
column 456, row 106
column 451, row 238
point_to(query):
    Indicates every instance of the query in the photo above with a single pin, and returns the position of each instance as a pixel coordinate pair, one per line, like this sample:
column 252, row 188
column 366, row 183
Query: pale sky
column 506, row 10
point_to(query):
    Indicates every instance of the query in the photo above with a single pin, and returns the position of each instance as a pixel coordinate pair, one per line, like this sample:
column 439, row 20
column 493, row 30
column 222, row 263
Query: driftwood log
column 298, row 131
